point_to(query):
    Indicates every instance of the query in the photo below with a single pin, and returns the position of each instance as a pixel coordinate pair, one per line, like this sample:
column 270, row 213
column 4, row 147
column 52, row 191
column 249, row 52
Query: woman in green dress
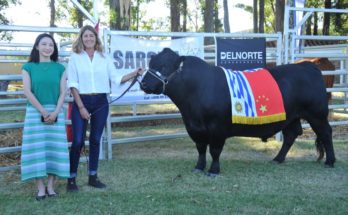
column 44, row 147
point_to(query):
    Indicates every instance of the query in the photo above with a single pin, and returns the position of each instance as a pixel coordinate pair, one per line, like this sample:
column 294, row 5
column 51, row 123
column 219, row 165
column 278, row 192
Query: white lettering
column 241, row 55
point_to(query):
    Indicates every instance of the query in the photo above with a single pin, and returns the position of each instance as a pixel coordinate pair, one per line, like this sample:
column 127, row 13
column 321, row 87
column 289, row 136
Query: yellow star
column 263, row 108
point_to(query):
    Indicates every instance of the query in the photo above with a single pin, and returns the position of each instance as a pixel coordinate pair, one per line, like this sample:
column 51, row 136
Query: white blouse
column 92, row 76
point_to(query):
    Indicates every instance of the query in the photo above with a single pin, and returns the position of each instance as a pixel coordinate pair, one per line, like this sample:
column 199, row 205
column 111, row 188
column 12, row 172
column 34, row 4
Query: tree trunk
column 338, row 16
column 120, row 18
column 226, row 17
column 326, row 23
column 137, row 16
column 309, row 26
column 79, row 16
column 184, row 14
column 262, row 16
column 315, row 27
column 255, row 16
column 217, row 22
column 175, row 15
column 53, row 15
column 209, row 19
column 279, row 16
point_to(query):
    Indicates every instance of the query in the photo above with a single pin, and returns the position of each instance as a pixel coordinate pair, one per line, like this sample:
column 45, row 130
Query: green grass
column 155, row 178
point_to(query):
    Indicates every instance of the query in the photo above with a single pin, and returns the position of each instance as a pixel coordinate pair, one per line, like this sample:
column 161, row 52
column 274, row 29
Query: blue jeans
column 79, row 126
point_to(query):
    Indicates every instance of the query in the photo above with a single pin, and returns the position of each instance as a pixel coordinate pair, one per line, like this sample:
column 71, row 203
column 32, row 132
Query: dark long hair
column 34, row 54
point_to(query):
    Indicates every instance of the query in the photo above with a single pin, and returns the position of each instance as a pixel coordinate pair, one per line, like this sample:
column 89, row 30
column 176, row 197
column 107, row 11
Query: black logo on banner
column 241, row 54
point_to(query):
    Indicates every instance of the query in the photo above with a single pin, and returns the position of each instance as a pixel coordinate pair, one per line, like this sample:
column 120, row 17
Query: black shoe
column 51, row 195
column 94, row 182
column 71, row 185
column 39, row 198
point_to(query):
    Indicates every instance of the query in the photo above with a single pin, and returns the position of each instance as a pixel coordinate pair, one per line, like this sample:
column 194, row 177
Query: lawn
column 155, row 178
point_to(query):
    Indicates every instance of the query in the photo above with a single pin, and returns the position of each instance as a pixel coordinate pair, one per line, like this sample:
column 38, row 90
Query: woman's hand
column 52, row 117
column 84, row 113
column 140, row 71
column 45, row 114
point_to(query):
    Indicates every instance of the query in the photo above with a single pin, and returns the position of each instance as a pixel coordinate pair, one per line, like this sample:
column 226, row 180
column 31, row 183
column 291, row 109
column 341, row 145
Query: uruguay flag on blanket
column 255, row 97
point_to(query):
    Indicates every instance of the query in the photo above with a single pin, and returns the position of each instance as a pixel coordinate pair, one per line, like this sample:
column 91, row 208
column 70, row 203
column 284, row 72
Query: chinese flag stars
column 261, row 104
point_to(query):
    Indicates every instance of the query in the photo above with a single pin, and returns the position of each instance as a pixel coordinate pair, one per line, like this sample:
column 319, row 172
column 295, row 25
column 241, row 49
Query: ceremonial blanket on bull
column 255, row 97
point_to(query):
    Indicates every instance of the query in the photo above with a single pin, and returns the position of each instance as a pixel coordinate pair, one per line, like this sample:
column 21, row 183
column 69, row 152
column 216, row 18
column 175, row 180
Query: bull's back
column 302, row 85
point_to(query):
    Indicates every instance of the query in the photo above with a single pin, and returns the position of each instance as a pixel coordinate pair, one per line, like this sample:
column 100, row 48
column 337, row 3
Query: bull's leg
column 201, row 162
column 215, row 149
column 323, row 130
column 290, row 133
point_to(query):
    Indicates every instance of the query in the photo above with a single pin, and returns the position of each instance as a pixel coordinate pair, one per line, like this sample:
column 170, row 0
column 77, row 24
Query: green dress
column 44, row 147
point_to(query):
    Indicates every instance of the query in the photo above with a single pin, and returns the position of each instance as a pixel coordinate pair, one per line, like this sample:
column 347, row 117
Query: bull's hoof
column 196, row 171
column 212, row 175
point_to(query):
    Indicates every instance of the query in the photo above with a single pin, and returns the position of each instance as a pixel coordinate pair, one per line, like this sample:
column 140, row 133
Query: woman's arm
column 30, row 96
column 52, row 117
column 131, row 75
column 83, row 111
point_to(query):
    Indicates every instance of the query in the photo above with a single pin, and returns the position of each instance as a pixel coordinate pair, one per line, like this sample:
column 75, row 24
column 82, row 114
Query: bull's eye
column 158, row 74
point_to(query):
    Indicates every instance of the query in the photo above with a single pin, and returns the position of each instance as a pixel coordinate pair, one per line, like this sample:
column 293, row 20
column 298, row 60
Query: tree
column 261, row 16
column 208, row 16
column 3, row 19
column 175, row 15
column 52, row 14
column 184, row 14
column 255, row 17
column 217, row 21
column 208, row 19
column 314, row 19
column 196, row 14
column 120, row 17
column 279, row 17
column 226, row 17
column 67, row 10
column 340, row 21
column 326, row 23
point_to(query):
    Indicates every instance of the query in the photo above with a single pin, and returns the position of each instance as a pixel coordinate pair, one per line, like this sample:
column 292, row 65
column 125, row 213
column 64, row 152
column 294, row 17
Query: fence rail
column 274, row 54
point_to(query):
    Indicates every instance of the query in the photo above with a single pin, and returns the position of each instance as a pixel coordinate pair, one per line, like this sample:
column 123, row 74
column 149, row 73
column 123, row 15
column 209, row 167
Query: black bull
column 200, row 91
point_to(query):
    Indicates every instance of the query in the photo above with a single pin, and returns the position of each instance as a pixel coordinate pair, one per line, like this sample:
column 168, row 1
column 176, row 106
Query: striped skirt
column 44, row 147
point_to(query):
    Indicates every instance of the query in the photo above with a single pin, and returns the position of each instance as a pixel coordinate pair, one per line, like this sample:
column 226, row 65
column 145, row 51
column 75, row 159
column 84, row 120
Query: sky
column 29, row 14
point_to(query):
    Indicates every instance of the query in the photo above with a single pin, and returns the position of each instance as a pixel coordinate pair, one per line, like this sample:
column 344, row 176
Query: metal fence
column 294, row 49
column 16, row 53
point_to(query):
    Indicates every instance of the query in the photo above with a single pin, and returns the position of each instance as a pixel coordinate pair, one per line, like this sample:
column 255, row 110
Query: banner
column 131, row 53
column 241, row 54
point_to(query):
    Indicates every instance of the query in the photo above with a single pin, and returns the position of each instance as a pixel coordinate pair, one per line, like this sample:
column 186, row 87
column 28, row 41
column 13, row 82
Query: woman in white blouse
column 90, row 73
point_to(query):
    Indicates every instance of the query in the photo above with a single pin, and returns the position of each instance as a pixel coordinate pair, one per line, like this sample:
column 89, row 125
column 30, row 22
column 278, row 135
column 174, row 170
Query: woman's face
column 88, row 39
column 45, row 47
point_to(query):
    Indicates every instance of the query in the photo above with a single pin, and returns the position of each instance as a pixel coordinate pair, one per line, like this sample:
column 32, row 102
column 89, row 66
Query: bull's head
column 162, row 67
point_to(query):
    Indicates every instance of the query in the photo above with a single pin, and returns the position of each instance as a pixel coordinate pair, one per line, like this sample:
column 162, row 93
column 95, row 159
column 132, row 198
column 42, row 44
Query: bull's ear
column 179, row 62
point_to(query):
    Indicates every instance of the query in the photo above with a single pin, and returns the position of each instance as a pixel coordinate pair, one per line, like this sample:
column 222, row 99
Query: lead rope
column 84, row 145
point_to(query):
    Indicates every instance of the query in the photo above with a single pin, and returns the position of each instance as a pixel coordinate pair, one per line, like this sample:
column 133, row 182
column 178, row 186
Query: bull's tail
column 320, row 148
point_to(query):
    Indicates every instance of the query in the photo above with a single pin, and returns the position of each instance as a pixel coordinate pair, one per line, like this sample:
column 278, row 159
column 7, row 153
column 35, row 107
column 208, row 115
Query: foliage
column 67, row 9
column 3, row 19
column 338, row 21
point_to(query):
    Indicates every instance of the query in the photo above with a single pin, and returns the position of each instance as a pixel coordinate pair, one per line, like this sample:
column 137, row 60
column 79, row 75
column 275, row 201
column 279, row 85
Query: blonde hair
column 78, row 46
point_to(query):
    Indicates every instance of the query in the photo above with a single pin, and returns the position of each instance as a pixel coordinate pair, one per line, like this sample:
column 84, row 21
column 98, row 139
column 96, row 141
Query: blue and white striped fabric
column 44, row 147
column 242, row 98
